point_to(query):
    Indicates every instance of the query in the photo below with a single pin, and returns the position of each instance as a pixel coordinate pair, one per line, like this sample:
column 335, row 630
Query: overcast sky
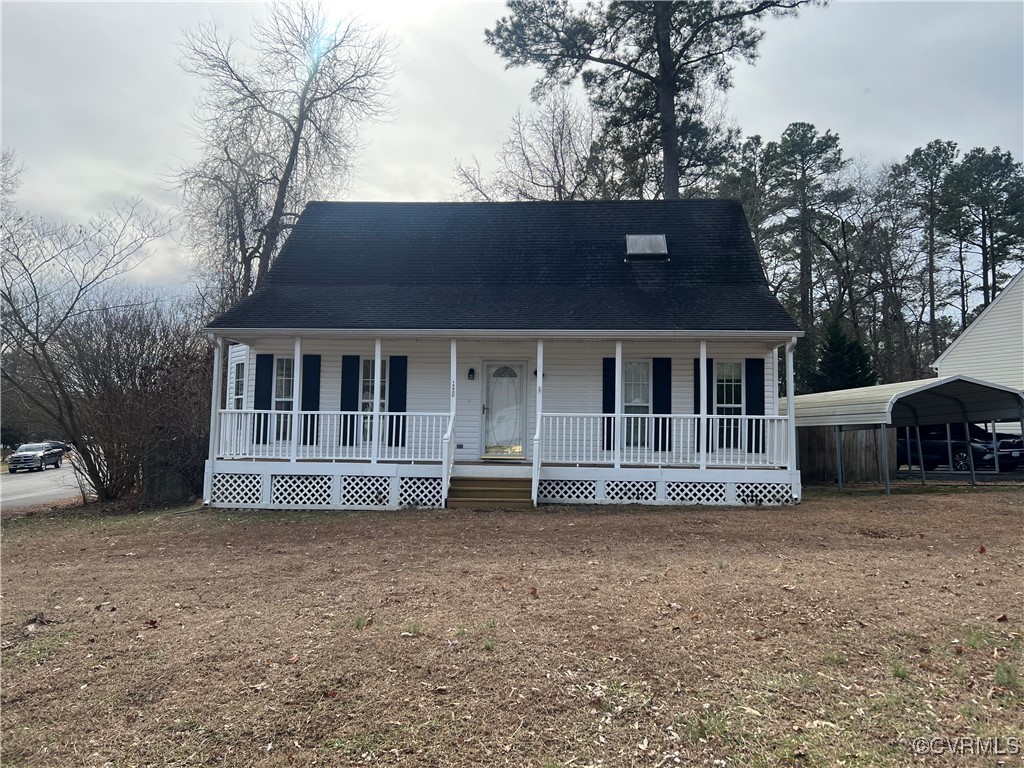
column 96, row 108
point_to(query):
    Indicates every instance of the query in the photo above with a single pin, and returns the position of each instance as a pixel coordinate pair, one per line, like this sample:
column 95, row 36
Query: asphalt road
column 27, row 489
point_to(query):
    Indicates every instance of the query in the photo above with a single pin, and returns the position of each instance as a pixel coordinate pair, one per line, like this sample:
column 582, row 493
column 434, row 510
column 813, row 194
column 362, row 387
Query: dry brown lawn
column 833, row 633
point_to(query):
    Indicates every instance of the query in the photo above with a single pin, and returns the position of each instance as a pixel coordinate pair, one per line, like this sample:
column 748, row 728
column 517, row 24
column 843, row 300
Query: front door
column 504, row 411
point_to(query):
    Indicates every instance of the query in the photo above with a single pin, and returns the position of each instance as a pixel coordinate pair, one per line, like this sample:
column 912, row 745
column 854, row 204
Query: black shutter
column 310, row 399
column 350, row 383
column 262, row 395
column 608, row 400
column 398, row 374
column 709, row 388
column 755, row 404
column 661, row 401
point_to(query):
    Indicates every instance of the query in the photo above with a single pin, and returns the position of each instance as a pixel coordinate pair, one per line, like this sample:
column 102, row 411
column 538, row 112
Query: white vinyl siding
column 992, row 347
column 572, row 374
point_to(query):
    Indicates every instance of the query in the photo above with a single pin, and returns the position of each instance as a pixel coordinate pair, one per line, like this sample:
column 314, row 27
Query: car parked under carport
column 946, row 445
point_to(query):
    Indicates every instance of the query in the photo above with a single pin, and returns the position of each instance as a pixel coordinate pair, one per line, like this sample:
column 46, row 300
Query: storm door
column 504, row 411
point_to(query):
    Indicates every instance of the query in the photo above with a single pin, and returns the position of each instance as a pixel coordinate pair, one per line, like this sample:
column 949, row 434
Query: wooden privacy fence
column 861, row 449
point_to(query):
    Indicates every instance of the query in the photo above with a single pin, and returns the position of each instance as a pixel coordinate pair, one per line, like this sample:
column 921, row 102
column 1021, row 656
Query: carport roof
column 906, row 403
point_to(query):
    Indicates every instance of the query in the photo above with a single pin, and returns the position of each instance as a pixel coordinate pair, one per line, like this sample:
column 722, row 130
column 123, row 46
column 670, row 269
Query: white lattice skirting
column 285, row 490
column 763, row 494
column 615, row 491
column 301, row 491
column 237, row 490
column 309, row 491
column 420, row 492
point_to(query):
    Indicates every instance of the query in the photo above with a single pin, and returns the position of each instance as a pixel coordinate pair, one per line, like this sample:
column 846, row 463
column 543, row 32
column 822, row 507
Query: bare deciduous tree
column 551, row 153
column 278, row 126
column 53, row 279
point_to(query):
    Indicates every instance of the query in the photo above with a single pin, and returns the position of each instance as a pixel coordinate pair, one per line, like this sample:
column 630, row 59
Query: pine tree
column 843, row 363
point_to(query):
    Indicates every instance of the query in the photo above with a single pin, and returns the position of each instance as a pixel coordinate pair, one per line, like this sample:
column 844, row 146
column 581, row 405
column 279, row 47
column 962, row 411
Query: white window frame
column 731, row 435
column 743, row 389
column 366, row 367
column 636, row 435
column 283, row 413
column 238, row 385
column 278, row 378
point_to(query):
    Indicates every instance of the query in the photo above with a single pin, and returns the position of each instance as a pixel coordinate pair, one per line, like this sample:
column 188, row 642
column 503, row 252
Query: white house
column 992, row 347
column 424, row 354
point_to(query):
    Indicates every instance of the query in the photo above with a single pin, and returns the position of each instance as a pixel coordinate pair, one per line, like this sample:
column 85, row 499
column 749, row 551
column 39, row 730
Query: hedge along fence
column 861, row 449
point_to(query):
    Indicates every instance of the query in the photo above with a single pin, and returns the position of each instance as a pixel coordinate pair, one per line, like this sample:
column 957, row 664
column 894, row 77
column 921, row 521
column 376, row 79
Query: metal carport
column 908, row 404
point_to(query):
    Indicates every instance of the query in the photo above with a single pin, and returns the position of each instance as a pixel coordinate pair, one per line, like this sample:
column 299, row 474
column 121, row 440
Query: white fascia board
column 446, row 333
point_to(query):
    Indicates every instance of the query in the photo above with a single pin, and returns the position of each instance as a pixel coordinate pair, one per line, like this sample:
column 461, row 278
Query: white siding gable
column 992, row 347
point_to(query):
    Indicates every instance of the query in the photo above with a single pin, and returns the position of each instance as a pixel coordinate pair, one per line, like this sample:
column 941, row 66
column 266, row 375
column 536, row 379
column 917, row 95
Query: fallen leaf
column 293, row 659
column 533, row 592
column 151, row 623
column 788, row 587
column 1004, row 617
column 981, row 550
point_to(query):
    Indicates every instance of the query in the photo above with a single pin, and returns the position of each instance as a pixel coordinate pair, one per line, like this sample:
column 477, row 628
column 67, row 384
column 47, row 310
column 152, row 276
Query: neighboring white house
column 992, row 347
column 398, row 350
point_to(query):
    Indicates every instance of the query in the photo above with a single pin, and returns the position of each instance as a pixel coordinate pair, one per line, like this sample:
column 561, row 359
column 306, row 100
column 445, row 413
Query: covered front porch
column 594, row 421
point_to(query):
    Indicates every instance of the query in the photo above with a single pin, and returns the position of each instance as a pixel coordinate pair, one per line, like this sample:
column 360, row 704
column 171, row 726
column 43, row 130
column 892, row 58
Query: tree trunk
column 666, row 100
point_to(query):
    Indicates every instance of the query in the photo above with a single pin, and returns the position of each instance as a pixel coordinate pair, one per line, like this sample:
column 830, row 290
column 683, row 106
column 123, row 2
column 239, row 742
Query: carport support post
column 920, row 450
column 885, row 458
column 218, row 356
column 970, row 453
column 995, row 445
column 839, row 456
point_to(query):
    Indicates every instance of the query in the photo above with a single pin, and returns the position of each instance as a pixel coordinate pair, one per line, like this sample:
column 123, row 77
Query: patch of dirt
column 830, row 633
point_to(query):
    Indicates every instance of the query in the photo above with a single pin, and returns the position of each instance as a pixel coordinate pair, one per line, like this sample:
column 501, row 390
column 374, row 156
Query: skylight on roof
column 646, row 248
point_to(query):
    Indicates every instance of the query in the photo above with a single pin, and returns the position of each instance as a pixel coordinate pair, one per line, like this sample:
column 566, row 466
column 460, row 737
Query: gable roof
column 977, row 322
column 514, row 266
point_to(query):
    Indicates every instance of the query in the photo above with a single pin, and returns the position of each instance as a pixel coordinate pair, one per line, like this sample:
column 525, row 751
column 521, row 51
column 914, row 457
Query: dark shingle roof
column 530, row 266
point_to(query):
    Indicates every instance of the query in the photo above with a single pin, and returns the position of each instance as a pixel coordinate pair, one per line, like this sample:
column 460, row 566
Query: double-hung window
column 238, row 387
column 636, row 400
column 366, row 393
column 284, row 396
column 728, row 402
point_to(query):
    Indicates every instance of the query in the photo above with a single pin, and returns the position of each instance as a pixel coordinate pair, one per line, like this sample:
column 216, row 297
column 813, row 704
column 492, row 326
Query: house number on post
column 453, row 390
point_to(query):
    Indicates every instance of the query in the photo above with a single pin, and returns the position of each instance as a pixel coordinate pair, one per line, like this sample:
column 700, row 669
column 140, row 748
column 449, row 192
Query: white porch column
column 617, row 426
column 540, row 390
column 377, row 436
column 538, row 427
column 790, row 406
column 702, row 378
column 215, row 406
column 296, row 397
column 454, row 375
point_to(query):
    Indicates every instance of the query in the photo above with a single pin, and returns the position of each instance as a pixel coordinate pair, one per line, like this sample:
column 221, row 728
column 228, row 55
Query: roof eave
column 513, row 333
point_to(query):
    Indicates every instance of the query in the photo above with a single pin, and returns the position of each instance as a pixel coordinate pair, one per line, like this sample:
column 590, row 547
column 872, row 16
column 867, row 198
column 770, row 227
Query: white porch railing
column 663, row 440
column 448, row 449
column 333, row 435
